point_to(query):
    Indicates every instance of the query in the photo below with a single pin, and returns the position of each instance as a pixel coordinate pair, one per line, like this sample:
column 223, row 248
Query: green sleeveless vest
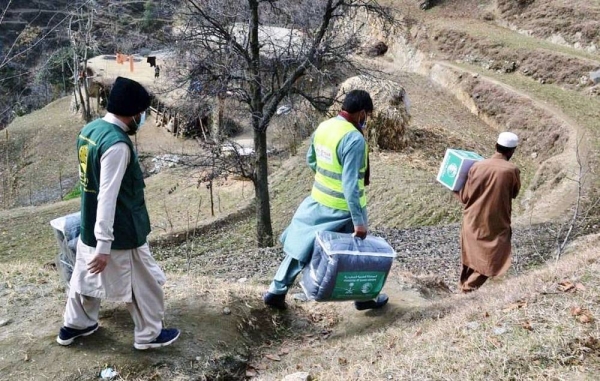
column 132, row 224
column 327, row 187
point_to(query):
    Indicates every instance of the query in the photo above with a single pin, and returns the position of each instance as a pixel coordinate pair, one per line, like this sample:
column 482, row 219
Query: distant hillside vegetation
column 36, row 58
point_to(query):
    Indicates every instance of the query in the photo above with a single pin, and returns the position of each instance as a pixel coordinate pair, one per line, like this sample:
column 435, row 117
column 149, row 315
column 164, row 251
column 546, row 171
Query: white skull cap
column 508, row 140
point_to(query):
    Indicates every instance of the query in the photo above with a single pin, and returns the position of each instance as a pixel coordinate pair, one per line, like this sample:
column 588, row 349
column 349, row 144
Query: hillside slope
column 538, row 322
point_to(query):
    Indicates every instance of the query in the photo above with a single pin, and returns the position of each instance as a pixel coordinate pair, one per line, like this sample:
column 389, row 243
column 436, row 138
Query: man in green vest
column 114, row 261
column 338, row 156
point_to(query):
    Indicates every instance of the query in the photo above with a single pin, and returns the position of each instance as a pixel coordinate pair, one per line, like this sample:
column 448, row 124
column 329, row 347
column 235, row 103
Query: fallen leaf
column 342, row 361
column 250, row 372
column 527, row 326
column 585, row 319
column 495, row 342
column 418, row 332
column 486, row 314
column 515, row 306
column 566, row 286
column 284, row 351
column 273, row 357
column 576, row 311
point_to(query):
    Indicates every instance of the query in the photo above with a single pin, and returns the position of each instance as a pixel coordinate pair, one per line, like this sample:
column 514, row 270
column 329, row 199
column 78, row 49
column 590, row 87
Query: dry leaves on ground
column 526, row 325
column 568, row 286
column 583, row 315
column 273, row 357
column 515, row 306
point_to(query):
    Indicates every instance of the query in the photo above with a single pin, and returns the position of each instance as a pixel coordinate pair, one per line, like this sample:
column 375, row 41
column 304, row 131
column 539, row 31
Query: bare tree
column 81, row 25
column 261, row 52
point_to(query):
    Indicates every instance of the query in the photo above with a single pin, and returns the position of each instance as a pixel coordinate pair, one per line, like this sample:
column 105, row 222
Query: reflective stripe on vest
column 327, row 188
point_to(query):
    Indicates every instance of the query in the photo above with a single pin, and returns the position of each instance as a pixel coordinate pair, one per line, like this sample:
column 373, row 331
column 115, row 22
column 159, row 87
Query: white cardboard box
column 455, row 168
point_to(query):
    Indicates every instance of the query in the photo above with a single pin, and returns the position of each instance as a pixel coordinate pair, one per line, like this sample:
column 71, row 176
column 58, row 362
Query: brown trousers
column 470, row 280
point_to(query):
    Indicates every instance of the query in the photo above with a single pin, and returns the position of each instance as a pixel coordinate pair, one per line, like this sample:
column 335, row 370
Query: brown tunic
column 485, row 235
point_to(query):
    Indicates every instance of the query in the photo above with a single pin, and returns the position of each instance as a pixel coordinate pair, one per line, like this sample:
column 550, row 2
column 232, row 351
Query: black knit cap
column 357, row 100
column 127, row 98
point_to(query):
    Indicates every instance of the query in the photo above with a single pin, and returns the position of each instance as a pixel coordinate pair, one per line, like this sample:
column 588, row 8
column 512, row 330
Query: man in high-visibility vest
column 338, row 155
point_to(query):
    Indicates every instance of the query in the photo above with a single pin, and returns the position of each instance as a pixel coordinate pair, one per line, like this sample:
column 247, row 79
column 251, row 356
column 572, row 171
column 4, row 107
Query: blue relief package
column 66, row 231
column 344, row 267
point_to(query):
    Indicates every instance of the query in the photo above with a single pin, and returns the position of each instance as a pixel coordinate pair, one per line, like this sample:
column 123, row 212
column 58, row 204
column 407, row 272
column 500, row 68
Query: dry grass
column 38, row 155
column 26, row 234
column 498, row 49
column 577, row 106
column 541, row 133
column 576, row 21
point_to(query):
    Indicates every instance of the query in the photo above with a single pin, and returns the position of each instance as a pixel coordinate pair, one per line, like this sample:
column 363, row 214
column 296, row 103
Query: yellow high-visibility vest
column 327, row 187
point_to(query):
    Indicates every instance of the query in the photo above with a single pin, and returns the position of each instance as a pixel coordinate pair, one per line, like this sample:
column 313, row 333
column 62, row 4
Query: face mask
column 137, row 125
column 142, row 120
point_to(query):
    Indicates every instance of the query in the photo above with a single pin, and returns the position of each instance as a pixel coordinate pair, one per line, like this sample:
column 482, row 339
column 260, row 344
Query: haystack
column 386, row 128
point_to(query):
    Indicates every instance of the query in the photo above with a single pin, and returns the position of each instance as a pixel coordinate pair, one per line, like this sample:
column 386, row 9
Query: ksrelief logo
column 83, row 157
column 366, row 288
column 452, row 170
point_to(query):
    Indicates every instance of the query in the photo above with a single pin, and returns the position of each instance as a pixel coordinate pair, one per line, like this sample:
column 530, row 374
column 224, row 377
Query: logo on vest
column 324, row 154
column 83, row 157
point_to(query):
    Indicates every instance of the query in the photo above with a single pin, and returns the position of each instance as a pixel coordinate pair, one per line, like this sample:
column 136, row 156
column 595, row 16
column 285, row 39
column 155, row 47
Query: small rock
column 377, row 49
column 198, row 358
column 534, row 155
column 595, row 77
column 499, row 330
column 299, row 376
column 472, row 325
column 5, row 322
column 226, row 311
column 489, row 16
column 242, row 280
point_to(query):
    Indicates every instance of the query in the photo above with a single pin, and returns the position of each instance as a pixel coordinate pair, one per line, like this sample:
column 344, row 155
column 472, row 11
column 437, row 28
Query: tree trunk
column 264, row 230
column 84, row 106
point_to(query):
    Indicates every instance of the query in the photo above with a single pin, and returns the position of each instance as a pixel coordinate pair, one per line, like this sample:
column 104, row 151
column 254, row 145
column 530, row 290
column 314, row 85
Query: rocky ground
column 432, row 251
column 436, row 250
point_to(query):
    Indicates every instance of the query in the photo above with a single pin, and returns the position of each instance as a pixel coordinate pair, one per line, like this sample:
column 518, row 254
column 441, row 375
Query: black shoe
column 67, row 335
column 381, row 301
column 275, row 300
column 166, row 337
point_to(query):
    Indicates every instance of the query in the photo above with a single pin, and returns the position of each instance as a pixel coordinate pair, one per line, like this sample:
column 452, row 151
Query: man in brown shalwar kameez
column 491, row 186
